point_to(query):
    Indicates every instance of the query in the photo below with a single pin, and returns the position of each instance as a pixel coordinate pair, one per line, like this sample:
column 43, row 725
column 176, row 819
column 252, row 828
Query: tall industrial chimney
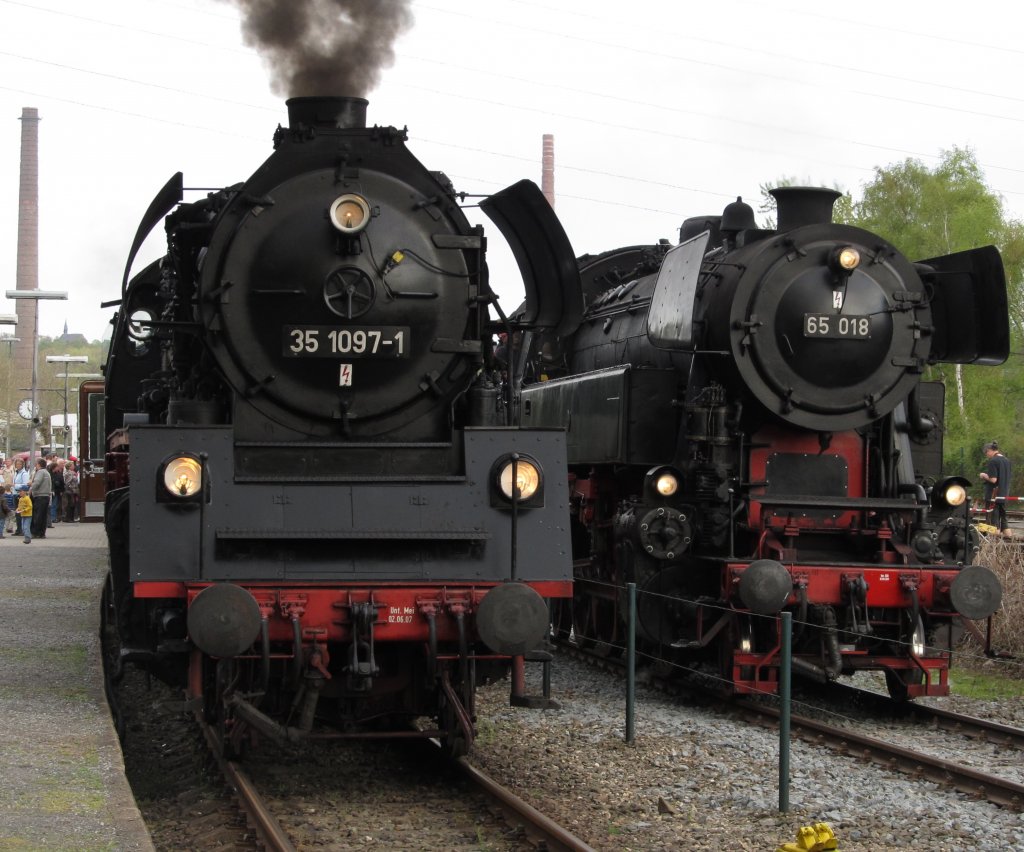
column 28, row 243
column 547, row 178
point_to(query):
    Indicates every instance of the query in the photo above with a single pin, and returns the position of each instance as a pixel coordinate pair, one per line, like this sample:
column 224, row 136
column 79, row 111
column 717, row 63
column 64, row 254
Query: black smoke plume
column 324, row 47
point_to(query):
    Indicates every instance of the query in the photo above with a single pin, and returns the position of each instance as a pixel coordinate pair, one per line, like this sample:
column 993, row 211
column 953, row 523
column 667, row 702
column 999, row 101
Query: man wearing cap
column 996, row 477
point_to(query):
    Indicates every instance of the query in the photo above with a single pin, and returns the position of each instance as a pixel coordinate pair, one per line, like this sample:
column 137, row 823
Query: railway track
column 543, row 832
column 995, row 789
column 939, row 718
column 272, row 837
column 367, row 794
column 457, row 813
column 889, row 755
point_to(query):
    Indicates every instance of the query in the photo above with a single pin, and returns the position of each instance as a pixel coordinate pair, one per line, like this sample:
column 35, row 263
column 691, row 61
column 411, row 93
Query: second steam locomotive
column 316, row 499
column 749, row 432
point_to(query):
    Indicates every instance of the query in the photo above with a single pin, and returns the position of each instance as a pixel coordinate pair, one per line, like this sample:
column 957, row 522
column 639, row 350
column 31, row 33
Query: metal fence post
column 784, row 709
column 631, row 666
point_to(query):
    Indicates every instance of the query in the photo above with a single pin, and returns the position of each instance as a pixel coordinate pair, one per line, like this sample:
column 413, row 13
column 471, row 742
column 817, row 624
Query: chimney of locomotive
column 803, row 205
column 547, row 173
column 334, row 113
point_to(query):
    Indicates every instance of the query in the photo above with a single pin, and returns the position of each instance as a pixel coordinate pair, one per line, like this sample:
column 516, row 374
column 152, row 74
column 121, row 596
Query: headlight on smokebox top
column 518, row 479
column 350, row 213
column 181, row 480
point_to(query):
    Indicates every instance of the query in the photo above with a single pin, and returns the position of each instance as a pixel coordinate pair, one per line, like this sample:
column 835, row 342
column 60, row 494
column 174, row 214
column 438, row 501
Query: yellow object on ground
column 988, row 529
column 816, row 838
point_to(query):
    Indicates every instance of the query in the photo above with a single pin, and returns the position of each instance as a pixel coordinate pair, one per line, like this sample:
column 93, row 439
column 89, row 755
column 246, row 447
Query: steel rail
column 535, row 823
column 537, row 826
column 995, row 732
column 945, row 772
column 997, row 790
column 273, row 837
column 947, row 720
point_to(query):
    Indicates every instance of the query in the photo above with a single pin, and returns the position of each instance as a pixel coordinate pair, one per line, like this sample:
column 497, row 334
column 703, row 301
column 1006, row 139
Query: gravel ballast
column 697, row 780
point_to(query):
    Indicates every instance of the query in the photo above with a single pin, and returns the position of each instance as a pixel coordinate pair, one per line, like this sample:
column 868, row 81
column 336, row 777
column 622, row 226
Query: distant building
column 71, row 338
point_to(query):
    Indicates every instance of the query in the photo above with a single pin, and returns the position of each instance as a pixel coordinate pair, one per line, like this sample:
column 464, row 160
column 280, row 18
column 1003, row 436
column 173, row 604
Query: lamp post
column 66, row 359
column 35, row 295
column 8, row 319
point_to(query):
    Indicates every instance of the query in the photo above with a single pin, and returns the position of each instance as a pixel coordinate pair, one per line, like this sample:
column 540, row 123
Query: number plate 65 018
column 845, row 327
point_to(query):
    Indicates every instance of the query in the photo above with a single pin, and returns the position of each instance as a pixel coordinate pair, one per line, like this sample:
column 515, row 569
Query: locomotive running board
column 554, row 295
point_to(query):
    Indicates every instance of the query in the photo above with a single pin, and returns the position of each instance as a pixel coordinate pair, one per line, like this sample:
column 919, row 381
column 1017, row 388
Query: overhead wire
column 647, row 51
column 794, row 57
column 873, row 24
column 597, row 121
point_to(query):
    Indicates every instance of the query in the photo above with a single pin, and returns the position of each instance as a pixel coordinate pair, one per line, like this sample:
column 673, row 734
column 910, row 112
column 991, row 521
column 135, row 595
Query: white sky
column 661, row 109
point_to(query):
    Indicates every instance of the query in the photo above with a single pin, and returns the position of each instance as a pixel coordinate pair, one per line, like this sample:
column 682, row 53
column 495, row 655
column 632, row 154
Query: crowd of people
column 35, row 499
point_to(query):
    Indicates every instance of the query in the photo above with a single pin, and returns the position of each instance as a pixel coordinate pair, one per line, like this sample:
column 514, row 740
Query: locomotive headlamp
column 844, row 259
column 350, row 213
column 666, row 485
column 950, row 493
column 517, row 479
column 955, row 494
column 183, row 476
column 849, row 258
column 527, row 479
column 661, row 482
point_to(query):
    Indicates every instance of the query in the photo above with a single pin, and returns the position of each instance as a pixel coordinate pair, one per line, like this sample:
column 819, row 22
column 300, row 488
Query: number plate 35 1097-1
column 835, row 327
column 327, row 341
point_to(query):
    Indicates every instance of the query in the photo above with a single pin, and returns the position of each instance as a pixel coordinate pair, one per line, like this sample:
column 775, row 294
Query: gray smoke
column 324, row 47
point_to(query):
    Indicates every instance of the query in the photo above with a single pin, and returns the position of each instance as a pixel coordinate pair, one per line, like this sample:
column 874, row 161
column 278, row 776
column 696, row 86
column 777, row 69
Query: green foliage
column 926, row 213
column 983, row 685
column 1011, row 246
column 994, row 402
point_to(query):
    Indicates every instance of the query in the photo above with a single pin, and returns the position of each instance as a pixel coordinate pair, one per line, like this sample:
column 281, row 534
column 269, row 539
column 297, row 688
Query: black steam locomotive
column 316, row 493
column 749, row 432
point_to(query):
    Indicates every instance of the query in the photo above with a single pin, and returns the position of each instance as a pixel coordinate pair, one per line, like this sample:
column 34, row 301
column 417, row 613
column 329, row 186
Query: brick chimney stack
column 547, row 180
column 28, row 243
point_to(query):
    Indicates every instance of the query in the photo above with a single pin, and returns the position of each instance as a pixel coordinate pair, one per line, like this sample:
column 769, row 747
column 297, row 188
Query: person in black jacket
column 996, row 477
column 56, row 469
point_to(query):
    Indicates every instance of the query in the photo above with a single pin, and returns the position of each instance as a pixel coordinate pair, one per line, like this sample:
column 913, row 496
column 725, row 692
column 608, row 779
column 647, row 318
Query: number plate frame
column 837, row 326
column 378, row 342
